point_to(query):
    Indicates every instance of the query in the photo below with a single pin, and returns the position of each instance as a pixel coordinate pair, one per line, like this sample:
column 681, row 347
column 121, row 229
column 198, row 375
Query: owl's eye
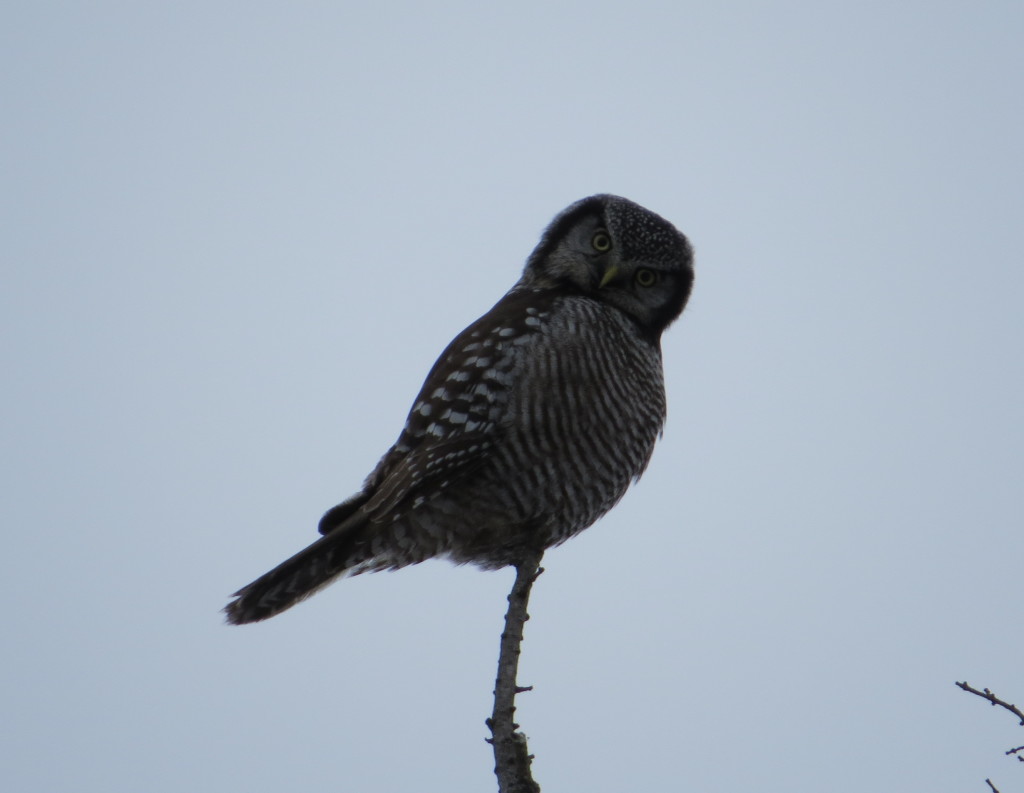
column 645, row 277
column 602, row 242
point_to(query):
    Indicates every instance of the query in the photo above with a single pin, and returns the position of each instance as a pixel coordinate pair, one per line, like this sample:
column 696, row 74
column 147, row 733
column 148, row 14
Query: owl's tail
column 297, row 578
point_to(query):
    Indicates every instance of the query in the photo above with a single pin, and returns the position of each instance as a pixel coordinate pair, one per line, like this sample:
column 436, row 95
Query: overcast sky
column 235, row 236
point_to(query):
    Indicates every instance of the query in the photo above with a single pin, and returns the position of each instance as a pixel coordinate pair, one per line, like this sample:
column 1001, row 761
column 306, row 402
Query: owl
column 532, row 423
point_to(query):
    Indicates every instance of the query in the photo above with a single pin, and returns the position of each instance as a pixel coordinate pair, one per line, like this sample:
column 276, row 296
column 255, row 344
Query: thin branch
column 986, row 694
column 994, row 700
column 511, row 757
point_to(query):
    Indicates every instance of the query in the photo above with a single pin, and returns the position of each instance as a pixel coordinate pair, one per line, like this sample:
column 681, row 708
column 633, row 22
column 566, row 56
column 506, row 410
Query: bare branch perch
column 511, row 757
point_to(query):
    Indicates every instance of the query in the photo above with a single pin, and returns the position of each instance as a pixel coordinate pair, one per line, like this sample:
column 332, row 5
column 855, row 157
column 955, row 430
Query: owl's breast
column 585, row 409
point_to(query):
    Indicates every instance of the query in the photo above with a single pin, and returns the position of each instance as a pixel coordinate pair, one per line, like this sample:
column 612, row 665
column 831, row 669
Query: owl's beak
column 609, row 275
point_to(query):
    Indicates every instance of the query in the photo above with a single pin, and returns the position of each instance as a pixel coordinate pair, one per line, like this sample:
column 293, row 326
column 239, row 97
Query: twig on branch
column 511, row 757
column 994, row 700
column 986, row 694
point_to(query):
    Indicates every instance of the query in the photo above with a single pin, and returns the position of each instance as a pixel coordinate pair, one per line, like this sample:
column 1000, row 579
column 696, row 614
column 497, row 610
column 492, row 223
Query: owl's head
column 615, row 251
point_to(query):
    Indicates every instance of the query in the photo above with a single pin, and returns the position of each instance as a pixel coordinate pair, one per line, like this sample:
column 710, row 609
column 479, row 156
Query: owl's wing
column 456, row 419
column 426, row 472
column 409, row 476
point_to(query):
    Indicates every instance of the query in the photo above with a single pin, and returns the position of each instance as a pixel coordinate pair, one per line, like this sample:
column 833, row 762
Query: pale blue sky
column 236, row 236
